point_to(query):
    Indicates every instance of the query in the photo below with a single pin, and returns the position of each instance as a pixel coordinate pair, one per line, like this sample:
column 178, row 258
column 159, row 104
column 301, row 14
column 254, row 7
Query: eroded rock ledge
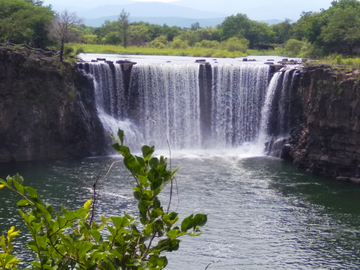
column 328, row 141
column 40, row 115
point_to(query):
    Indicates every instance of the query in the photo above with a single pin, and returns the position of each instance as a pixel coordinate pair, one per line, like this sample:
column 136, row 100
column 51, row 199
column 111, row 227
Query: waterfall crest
column 193, row 106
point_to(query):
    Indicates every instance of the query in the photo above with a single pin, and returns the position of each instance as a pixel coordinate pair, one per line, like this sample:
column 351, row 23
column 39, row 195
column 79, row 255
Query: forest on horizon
column 332, row 31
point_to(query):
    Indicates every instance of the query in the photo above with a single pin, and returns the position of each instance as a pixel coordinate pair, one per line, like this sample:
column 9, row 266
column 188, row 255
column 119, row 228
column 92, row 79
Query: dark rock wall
column 41, row 116
column 328, row 140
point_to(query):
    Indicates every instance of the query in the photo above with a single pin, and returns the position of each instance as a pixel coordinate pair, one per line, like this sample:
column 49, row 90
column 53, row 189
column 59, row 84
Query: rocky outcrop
column 46, row 109
column 328, row 140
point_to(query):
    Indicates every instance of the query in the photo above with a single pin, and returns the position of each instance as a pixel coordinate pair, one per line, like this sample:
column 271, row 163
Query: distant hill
column 151, row 12
column 273, row 21
column 148, row 9
column 170, row 21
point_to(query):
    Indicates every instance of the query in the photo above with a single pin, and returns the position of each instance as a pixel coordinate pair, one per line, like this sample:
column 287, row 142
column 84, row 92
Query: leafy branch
column 68, row 241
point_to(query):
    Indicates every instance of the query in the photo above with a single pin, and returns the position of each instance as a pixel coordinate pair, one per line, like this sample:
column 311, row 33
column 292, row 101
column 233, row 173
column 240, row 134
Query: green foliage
column 79, row 50
column 112, row 38
column 241, row 26
column 24, row 22
column 208, row 44
column 293, row 47
column 282, row 31
column 89, row 39
column 358, row 81
column 177, row 43
column 235, row 44
column 73, row 240
column 335, row 30
column 124, row 27
column 7, row 260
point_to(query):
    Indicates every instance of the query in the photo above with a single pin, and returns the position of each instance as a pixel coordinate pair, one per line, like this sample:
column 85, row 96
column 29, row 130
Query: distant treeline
column 316, row 34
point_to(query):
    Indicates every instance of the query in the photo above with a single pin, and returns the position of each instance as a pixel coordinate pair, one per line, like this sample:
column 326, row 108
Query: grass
column 277, row 51
column 337, row 61
column 190, row 51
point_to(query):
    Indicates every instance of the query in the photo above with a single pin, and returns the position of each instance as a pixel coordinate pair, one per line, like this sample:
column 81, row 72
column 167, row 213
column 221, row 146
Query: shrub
column 235, row 44
column 293, row 46
column 112, row 38
column 177, row 43
column 208, row 44
column 73, row 240
column 79, row 50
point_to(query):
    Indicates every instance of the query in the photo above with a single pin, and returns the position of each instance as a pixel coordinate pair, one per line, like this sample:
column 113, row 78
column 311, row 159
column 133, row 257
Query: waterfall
column 275, row 116
column 110, row 99
column 166, row 104
column 193, row 106
column 237, row 98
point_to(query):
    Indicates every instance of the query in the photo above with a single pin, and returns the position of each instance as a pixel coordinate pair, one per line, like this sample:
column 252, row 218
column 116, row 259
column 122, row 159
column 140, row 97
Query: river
column 262, row 212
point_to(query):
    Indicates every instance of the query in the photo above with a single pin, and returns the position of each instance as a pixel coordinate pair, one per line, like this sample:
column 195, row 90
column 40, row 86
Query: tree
column 195, row 26
column 63, row 29
column 25, row 22
column 36, row 2
column 341, row 34
column 124, row 26
column 294, row 46
column 282, row 31
column 140, row 35
column 241, row 26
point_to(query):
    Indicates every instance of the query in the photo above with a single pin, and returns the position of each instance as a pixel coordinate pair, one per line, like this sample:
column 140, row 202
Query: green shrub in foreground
column 73, row 240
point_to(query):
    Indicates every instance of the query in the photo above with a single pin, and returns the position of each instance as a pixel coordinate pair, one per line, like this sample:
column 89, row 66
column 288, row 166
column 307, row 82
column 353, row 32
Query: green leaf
column 199, row 220
column 187, row 223
column 69, row 215
column 19, row 187
column 131, row 163
column 23, row 203
column 97, row 236
column 33, row 246
column 143, row 180
column 158, row 262
column 141, row 161
column 173, row 233
column 147, row 151
column 121, row 136
column 61, row 220
column 31, row 192
column 18, row 179
column 154, row 162
column 116, row 147
column 118, row 222
column 173, row 173
column 148, row 229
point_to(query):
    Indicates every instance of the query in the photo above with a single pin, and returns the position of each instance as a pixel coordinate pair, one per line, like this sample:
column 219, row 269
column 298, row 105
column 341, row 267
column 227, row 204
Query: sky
column 255, row 9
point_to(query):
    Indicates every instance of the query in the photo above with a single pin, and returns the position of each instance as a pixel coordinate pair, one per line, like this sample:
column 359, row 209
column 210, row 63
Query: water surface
column 262, row 212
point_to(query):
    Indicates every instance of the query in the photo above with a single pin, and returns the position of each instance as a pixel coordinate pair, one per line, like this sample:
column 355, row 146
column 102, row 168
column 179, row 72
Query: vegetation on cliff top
column 314, row 35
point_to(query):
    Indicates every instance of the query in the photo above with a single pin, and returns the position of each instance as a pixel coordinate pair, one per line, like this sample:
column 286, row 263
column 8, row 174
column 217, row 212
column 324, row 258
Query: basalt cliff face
column 40, row 113
column 328, row 140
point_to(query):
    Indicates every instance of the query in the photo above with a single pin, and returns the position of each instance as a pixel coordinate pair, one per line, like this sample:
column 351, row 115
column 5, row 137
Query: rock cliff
column 46, row 109
column 328, row 140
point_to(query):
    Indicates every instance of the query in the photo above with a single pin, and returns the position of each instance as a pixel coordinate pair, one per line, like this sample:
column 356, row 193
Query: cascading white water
column 237, row 97
column 109, row 99
column 166, row 102
column 275, row 119
column 266, row 109
column 168, row 99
